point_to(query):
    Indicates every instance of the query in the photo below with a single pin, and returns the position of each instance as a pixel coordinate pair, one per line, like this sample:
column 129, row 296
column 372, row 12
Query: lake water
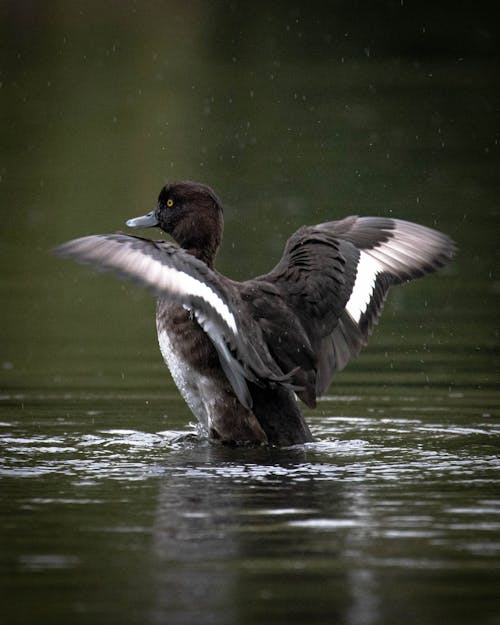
column 113, row 509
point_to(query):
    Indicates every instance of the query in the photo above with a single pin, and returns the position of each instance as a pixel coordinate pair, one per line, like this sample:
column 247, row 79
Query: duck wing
column 335, row 277
column 170, row 271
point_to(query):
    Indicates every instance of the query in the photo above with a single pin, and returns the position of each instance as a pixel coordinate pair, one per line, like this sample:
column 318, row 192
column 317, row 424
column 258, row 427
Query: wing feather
column 170, row 271
column 301, row 322
column 336, row 276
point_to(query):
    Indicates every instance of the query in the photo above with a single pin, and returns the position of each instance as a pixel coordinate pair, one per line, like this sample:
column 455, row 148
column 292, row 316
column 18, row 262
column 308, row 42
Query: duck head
column 191, row 214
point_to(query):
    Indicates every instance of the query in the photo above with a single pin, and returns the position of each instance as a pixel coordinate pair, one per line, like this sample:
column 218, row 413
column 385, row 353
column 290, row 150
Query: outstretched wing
column 160, row 266
column 298, row 324
column 170, row 271
column 336, row 275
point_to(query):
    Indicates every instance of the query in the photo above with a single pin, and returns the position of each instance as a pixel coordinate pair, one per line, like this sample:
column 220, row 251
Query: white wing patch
column 408, row 249
column 366, row 273
column 182, row 283
column 119, row 253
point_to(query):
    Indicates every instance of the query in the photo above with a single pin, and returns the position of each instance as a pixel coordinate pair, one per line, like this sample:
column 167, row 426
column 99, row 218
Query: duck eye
column 170, row 202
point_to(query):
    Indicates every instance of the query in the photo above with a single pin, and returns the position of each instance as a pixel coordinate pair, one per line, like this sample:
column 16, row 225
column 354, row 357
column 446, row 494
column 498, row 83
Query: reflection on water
column 347, row 527
column 112, row 509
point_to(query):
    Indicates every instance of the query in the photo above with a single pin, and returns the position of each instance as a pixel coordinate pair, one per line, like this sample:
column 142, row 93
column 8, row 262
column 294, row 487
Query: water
column 394, row 510
column 112, row 507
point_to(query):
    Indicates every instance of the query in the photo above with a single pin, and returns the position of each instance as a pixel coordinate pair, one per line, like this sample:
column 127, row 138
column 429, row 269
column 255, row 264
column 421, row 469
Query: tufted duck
column 240, row 351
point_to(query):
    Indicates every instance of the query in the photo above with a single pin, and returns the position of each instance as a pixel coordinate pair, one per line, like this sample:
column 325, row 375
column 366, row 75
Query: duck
column 243, row 354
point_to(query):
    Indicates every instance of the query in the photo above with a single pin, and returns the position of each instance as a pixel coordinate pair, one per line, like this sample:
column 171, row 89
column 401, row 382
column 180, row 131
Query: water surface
column 113, row 509
column 394, row 510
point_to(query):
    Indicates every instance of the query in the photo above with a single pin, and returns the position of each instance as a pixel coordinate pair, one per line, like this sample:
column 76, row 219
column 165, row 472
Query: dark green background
column 295, row 113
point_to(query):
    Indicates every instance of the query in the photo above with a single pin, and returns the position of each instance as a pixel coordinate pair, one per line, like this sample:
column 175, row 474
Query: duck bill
column 146, row 221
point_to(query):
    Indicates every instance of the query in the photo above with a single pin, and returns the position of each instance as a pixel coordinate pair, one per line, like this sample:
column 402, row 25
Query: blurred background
column 294, row 112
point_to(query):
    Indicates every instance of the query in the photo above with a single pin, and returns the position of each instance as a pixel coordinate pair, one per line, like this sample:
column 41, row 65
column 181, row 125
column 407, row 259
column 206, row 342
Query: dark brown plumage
column 238, row 351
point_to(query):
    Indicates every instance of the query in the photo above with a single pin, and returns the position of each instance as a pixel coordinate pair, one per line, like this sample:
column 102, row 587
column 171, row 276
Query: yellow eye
column 170, row 203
